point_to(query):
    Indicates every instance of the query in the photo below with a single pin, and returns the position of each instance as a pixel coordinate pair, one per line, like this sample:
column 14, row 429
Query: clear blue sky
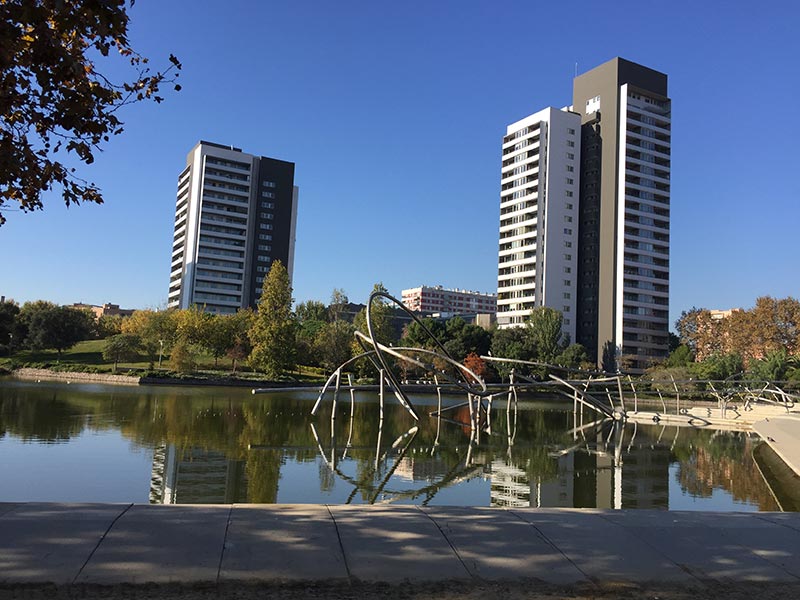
column 394, row 113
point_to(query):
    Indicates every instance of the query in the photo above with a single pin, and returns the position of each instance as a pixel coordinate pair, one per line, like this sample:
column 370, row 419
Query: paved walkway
column 783, row 436
column 114, row 544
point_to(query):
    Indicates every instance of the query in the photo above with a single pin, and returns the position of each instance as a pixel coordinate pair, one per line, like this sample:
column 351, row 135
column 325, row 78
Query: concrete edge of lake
column 30, row 374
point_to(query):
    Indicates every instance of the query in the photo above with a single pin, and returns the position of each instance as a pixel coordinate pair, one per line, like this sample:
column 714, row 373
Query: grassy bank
column 87, row 357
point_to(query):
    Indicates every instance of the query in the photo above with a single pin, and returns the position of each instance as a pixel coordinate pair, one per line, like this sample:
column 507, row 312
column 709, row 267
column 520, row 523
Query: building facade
column 584, row 219
column 235, row 214
column 623, row 270
column 537, row 257
column 436, row 299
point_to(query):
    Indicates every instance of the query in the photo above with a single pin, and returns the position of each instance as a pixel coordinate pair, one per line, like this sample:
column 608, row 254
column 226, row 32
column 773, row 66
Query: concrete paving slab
column 788, row 520
column 602, row 549
column 282, row 542
column 42, row 542
column 496, row 544
column 698, row 544
column 161, row 544
column 395, row 544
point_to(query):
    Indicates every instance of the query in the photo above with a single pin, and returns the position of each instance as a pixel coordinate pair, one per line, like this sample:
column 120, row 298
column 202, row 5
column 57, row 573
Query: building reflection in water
column 196, row 476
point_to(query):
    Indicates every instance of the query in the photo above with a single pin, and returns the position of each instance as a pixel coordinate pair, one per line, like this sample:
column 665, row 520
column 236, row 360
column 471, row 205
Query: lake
column 96, row 443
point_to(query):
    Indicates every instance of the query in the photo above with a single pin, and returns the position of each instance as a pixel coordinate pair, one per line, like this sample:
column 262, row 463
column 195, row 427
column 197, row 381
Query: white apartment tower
column 538, row 250
column 584, row 219
column 235, row 214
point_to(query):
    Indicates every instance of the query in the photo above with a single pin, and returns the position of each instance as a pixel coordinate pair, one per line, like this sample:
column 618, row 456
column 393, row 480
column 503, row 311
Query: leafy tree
column 773, row 367
column 123, row 346
column 415, row 336
column 333, row 344
column 574, row 356
column 156, row 331
column 674, row 341
column 183, row 356
column 338, row 301
column 8, row 317
column 475, row 364
column 239, row 328
column 512, row 342
column 680, row 357
column 311, row 310
column 718, row 367
column 464, row 339
column 59, row 327
column 108, row 325
column 53, row 97
column 273, row 331
column 544, row 329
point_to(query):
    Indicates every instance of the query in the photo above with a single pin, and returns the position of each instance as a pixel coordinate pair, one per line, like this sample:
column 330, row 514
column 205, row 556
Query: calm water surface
column 95, row 443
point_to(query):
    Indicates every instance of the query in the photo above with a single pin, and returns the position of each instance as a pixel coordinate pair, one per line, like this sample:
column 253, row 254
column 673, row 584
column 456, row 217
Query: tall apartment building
column 613, row 182
column 235, row 214
column 436, row 299
column 537, row 264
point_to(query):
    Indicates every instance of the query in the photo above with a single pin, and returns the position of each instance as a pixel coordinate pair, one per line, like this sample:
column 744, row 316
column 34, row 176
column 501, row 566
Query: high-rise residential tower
column 235, row 214
column 538, row 255
column 584, row 219
column 623, row 268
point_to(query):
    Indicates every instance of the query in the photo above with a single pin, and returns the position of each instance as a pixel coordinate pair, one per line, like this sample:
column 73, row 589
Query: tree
column 311, row 310
column 8, row 317
column 680, row 357
column 544, row 329
column 59, row 327
column 123, row 346
column 273, row 331
column 574, row 356
column 156, row 331
column 333, row 344
column 511, row 342
column 338, row 301
column 239, row 328
column 53, row 97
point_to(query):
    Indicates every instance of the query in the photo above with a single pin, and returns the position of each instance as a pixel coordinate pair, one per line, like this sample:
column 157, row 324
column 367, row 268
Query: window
column 569, row 194
column 567, row 269
column 570, row 181
column 265, row 247
column 568, row 219
column 265, row 226
column 566, row 308
column 267, row 215
column 570, row 156
column 566, row 321
column 568, row 257
column 265, row 236
column 570, row 131
column 263, row 258
column 570, row 168
column 570, row 143
column 567, row 231
column 568, row 244
column 266, row 194
column 569, row 206
column 269, row 184
column 267, row 205
column 567, row 282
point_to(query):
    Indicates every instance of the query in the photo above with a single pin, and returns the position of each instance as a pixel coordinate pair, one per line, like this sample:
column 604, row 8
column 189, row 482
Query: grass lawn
column 90, row 353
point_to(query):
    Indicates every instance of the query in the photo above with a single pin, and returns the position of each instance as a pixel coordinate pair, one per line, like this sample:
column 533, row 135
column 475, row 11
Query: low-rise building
column 437, row 299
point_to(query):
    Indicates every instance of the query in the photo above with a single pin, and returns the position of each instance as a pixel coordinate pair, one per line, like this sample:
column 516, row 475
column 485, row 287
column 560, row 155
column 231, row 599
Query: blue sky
column 394, row 114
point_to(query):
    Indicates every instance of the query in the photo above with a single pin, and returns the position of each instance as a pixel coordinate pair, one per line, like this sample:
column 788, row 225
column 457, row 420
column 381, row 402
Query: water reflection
column 224, row 446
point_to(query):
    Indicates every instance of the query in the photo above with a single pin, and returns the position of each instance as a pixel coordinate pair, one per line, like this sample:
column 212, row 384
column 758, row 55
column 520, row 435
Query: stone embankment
column 39, row 374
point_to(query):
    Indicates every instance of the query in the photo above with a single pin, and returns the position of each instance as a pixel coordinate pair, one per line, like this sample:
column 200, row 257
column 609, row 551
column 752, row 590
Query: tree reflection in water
column 224, row 445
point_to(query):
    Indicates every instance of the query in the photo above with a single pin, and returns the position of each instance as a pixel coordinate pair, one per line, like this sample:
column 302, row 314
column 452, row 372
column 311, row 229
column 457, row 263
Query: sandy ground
column 460, row 590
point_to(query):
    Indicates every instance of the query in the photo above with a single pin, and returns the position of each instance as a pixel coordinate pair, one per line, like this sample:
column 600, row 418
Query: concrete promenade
column 110, row 544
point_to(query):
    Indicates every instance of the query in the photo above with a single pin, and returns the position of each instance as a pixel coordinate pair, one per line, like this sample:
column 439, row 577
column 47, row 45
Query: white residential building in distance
column 436, row 299
column 537, row 263
column 235, row 214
